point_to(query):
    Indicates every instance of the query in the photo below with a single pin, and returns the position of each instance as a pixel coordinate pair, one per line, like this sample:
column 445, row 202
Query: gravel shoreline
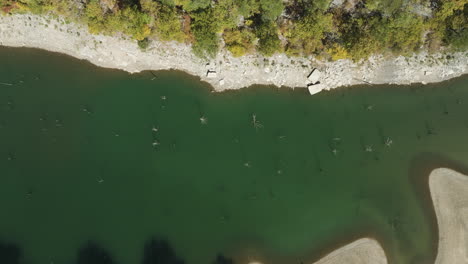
column 224, row 72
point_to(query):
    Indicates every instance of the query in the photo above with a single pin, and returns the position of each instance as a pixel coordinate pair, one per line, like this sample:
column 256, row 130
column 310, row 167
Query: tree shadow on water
column 9, row 253
column 91, row 253
column 159, row 251
column 220, row 259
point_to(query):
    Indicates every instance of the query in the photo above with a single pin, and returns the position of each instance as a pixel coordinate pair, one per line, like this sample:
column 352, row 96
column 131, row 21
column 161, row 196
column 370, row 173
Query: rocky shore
column 224, row 72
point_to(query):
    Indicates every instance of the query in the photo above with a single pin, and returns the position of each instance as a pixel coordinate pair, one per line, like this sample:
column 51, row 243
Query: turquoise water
column 80, row 162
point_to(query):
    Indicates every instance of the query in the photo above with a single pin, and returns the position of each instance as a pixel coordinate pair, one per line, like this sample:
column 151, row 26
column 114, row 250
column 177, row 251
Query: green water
column 78, row 163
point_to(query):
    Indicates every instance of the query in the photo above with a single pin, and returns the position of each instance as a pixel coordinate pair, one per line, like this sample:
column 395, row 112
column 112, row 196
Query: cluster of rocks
column 314, row 86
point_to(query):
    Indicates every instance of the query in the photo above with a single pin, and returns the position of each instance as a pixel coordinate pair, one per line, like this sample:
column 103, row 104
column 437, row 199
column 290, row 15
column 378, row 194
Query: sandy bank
column 361, row 251
column 230, row 73
column 449, row 191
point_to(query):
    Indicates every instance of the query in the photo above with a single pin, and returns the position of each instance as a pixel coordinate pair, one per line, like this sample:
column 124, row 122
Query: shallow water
column 80, row 162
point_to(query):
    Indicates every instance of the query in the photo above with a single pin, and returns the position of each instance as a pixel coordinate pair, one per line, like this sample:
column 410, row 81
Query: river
column 129, row 164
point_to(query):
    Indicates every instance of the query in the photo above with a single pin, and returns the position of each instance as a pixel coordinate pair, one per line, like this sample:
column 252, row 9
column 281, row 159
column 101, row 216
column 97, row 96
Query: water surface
column 81, row 161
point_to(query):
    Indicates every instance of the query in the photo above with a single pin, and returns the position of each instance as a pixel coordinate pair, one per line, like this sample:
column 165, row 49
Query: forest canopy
column 327, row 29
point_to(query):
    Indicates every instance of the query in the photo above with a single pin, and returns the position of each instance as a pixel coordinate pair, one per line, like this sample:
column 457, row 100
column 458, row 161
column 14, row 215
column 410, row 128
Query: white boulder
column 315, row 88
column 314, row 76
column 211, row 74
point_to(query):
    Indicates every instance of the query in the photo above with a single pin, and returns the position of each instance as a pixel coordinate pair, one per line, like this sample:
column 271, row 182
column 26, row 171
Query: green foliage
column 95, row 16
column 337, row 52
column 457, row 31
column 144, row 43
column 321, row 5
column 372, row 34
column 193, row 5
column 129, row 21
column 167, row 24
column 459, row 40
column 165, row 20
column 170, row 3
column 403, row 33
column 247, row 8
column 447, row 8
column 362, row 36
column 307, row 33
column 204, row 27
column 303, row 6
column 59, row 7
column 268, row 43
column 449, row 23
column 387, row 7
column 309, row 27
column 227, row 14
column 94, row 11
column 135, row 23
column 35, row 6
column 150, row 7
column 271, row 9
column 239, row 42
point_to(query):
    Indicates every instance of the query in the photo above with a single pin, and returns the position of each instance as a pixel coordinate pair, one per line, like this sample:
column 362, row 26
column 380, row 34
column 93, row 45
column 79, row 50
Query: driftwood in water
column 154, row 75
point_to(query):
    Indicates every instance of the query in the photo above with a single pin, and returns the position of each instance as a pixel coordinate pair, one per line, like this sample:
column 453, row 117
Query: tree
column 94, row 16
column 302, row 27
column 337, row 52
column 403, row 32
column 387, row 7
column 268, row 43
column 204, row 27
column 227, row 14
column 248, row 8
column 143, row 44
column 271, row 9
column 456, row 32
column 193, row 5
column 168, row 25
column 307, row 33
column 239, row 41
column 449, row 22
column 361, row 36
column 134, row 23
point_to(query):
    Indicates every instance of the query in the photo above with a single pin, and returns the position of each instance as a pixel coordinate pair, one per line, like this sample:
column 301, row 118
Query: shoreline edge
column 224, row 72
